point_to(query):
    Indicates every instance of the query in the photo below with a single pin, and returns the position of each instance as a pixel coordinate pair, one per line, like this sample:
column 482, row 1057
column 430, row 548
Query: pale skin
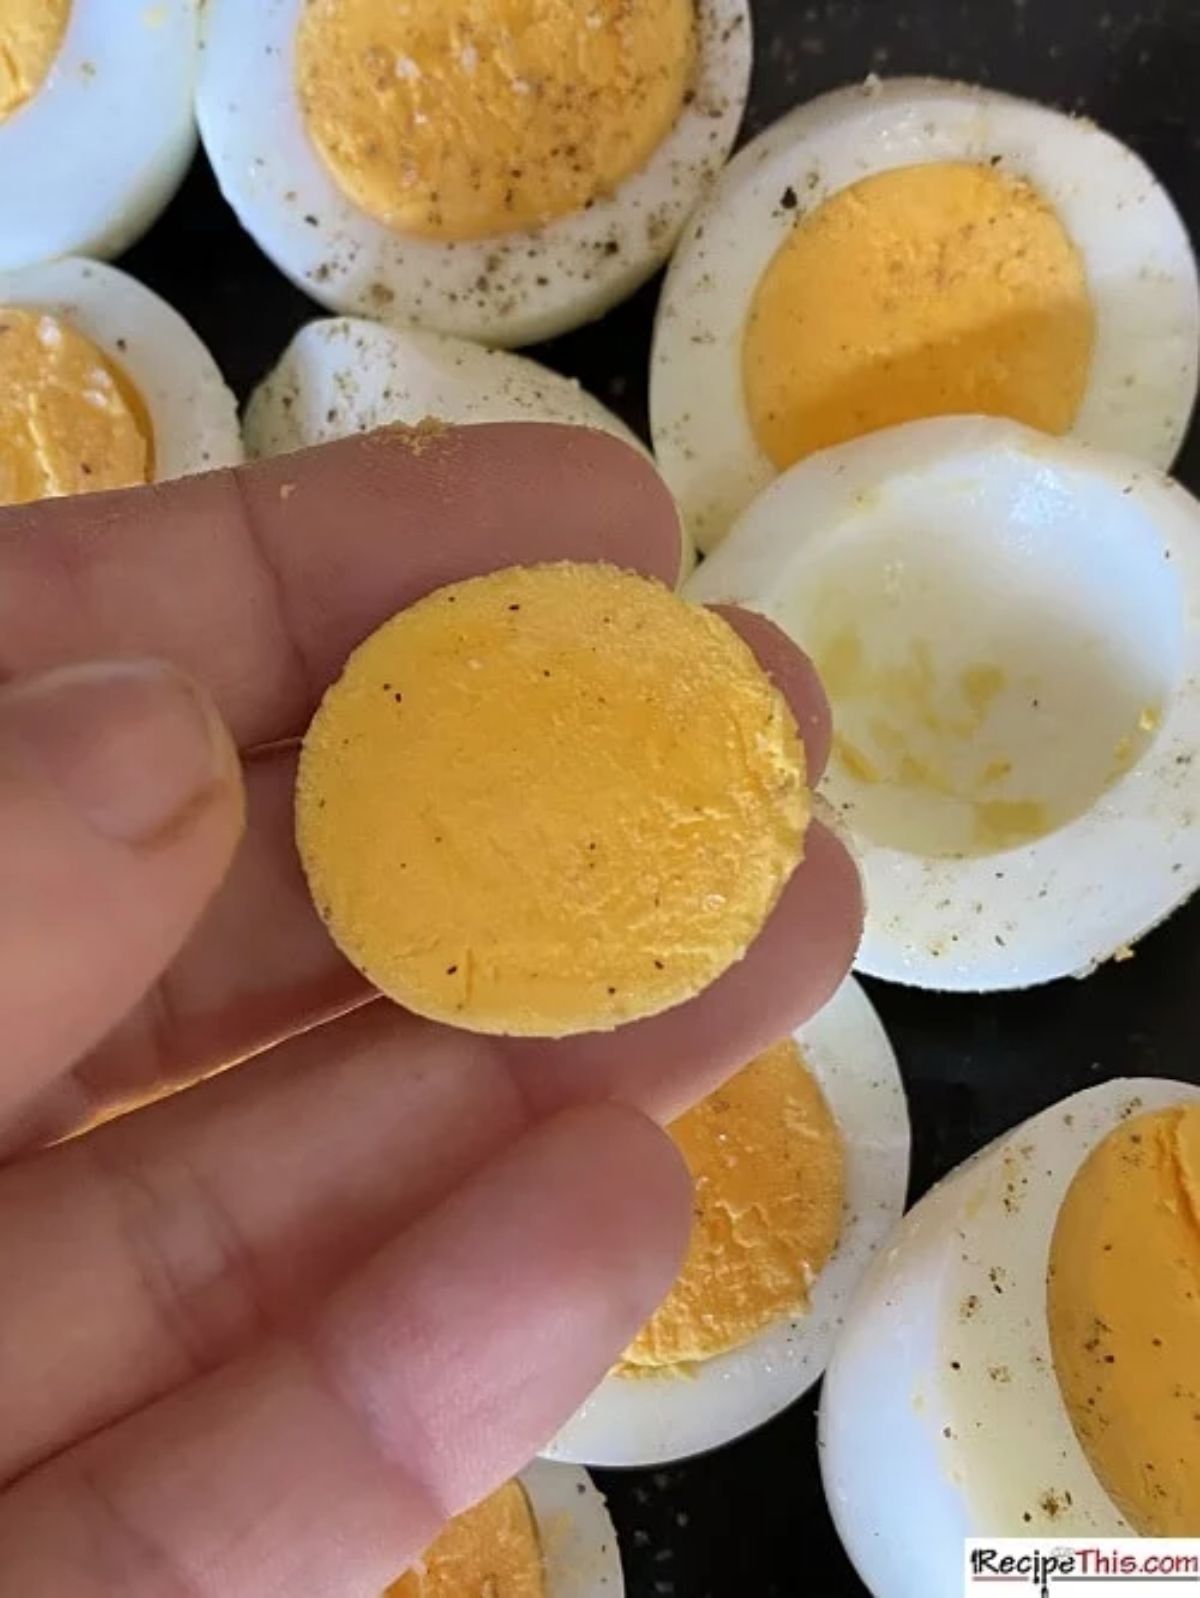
column 262, row 1336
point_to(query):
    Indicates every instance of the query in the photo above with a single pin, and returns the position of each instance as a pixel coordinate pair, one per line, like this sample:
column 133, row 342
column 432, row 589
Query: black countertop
column 750, row 1521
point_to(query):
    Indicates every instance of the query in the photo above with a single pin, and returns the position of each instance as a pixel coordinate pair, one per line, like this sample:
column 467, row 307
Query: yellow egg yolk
column 31, row 32
column 460, row 119
column 491, row 1551
column 1123, row 1298
column 922, row 291
column 70, row 419
column 766, row 1158
column 550, row 800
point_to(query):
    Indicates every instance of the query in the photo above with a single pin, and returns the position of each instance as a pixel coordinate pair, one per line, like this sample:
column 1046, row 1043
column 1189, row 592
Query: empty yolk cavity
column 70, row 419
column 766, row 1158
column 459, row 119
column 491, row 1551
column 1124, row 1310
column 31, row 32
column 550, row 800
column 922, row 291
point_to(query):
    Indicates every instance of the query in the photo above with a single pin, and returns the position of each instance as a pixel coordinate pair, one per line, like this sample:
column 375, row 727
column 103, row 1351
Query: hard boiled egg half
column 916, row 248
column 1008, row 628
column 800, row 1164
column 489, row 170
column 102, row 385
column 343, row 374
column 546, row 1534
column 1024, row 1359
column 96, row 123
column 346, row 375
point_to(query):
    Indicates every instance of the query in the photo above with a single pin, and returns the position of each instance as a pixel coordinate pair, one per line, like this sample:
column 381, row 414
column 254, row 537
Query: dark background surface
column 749, row 1521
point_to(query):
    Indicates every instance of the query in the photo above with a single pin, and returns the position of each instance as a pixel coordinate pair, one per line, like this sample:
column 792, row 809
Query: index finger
column 260, row 580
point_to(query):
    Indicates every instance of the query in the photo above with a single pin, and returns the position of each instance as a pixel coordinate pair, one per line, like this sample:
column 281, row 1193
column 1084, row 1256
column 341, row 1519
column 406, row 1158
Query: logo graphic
column 1115, row 1567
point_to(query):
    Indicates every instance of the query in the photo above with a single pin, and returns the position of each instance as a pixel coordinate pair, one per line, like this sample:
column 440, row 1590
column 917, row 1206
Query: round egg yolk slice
column 550, row 800
column 31, row 32
column 1124, row 1312
column 767, row 1161
column 461, row 119
column 491, row 1550
column 70, row 420
column 940, row 289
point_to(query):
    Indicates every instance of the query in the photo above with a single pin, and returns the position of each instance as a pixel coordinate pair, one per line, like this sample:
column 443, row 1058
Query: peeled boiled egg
column 1024, row 1357
column 102, row 385
column 735, row 1342
column 916, row 248
column 1008, row 628
column 96, row 123
column 490, row 170
column 546, row 1534
column 345, row 375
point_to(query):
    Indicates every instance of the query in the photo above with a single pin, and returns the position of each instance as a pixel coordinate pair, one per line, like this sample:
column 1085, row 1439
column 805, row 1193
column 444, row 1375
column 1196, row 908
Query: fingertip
column 648, row 1192
column 794, row 675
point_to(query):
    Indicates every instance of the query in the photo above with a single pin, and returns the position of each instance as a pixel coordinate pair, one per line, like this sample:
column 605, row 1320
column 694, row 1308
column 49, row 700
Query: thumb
column 120, row 807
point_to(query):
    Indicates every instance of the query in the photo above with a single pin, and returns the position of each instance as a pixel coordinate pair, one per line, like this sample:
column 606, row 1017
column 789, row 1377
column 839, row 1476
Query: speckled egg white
column 508, row 290
column 941, row 1416
column 1008, row 626
column 579, row 1543
column 1140, row 269
column 650, row 1419
column 192, row 413
column 87, row 164
column 347, row 375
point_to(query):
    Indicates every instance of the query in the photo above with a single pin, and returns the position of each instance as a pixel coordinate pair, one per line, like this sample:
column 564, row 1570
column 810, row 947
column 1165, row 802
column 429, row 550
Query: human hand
column 262, row 1336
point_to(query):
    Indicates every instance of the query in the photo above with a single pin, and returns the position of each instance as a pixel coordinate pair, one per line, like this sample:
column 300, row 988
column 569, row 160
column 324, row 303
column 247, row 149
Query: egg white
column 941, row 1416
column 1140, row 269
column 579, row 1543
column 512, row 289
column 346, row 375
column 192, row 412
column 998, row 542
column 652, row 1418
column 87, row 164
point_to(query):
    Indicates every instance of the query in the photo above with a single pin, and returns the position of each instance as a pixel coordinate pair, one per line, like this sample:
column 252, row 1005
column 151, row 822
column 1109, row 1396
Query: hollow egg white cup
column 1073, row 578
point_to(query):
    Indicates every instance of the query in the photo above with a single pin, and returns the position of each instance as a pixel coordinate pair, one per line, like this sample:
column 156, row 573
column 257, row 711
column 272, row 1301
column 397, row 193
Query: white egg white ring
column 579, row 1543
column 1140, row 268
column 649, row 1420
column 508, row 290
column 941, row 1416
column 192, row 412
column 345, row 375
column 1058, row 905
column 93, row 157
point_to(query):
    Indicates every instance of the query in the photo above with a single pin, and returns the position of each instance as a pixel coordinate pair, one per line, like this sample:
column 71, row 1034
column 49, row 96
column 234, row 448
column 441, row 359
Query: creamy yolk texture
column 767, row 1162
column 491, row 1551
column 70, row 420
column 458, row 119
column 921, row 291
column 550, row 800
column 1124, row 1309
column 31, row 32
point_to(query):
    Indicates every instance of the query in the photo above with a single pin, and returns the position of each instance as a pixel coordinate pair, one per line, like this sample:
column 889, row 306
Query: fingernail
column 134, row 748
